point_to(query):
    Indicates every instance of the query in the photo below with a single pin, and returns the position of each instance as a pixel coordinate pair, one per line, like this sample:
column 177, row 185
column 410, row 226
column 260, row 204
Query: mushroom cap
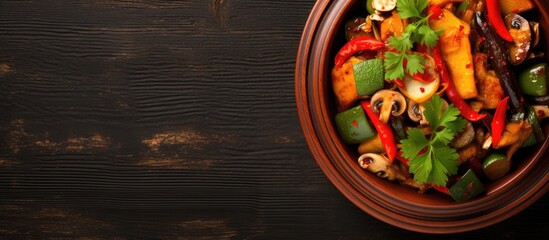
column 388, row 102
column 414, row 111
column 377, row 164
column 384, row 5
column 519, row 28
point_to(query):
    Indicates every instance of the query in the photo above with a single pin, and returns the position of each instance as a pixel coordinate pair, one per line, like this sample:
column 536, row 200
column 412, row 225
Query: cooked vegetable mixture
column 440, row 94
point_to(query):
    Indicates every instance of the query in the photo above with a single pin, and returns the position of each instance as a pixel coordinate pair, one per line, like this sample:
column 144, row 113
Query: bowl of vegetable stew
column 428, row 114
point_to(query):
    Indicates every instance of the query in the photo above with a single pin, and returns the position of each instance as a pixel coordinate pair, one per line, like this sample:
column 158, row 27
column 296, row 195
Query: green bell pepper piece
column 533, row 81
column 353, row 125
column 467, row 187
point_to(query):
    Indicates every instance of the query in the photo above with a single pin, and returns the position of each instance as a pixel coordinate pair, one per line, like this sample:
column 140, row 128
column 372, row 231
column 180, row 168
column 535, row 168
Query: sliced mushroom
column 378, row 165
column 387, row 102
column 522, row 37
column 384, row 5
column 414, row 111
column 370, row 23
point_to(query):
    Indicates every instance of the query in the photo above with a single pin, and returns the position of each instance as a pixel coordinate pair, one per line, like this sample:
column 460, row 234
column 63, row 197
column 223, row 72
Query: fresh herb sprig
column 400, row 61
column 431, row 160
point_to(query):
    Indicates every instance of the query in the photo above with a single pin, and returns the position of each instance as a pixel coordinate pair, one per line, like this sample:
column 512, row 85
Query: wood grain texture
column 170, row 120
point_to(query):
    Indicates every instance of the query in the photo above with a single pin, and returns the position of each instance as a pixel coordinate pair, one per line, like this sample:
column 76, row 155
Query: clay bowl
column 400, row 206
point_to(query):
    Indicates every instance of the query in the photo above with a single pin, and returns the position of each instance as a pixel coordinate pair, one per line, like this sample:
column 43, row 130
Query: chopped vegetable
column 467, row 187
column 371, row 145
column 498, row 122
column 357, row 27
column 399, row 62
column 384, row 131
column 467, row 152
column 384, row 5
column 519, row 28
column 443, row 2
column 370, row 7
column 494, row 16
column 368, row 76
column 456, row 51
column 431, row 160
column 465, row 137
column 506, row 75
column 378, row 165
column 496, row 165
column 489, row 87
column 386, row 103
column 515, row 6
column 532, row 119
column 344, row 85
column 515, row 135
column 452, row 94
column 391, row 26
column 356, row 45
column 533, row 81
column 353, row 126
column 421, row 91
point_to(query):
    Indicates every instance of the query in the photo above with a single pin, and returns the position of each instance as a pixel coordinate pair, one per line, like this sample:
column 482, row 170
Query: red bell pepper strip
column 435, row 12
column 402, row 158
column 464, row 108
column 498, row 122
column 356, row 45
column 383, row 130
column 399, row 83
column 494, row 16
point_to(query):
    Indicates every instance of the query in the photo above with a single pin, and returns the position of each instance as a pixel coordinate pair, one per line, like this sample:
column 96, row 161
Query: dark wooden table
column 169, row 119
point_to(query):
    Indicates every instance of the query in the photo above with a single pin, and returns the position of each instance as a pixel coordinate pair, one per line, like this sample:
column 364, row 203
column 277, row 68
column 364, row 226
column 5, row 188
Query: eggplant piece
column 502, row 67
column 399, row 128
column 464, row 137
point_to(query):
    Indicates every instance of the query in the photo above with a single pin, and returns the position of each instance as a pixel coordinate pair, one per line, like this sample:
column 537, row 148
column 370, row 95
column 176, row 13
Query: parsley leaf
column 417, row 31
column 393, row 65
column 411, row 8
column 415, row 142
column 415, row 64
column 403, row 43
column 430, row 158
column 429, row 36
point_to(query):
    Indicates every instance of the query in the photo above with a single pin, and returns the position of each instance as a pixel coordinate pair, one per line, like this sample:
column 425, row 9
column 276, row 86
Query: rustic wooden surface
column 169, row 119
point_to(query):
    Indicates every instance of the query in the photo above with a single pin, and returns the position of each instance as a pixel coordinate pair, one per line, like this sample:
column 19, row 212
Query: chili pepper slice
column 494, row 16
column 399, row 83
column 402, row 158
column 466, row 111
column 383, row 130
column 356, row 45
column 424, row 77
column 442, row 189
column 435, row 12
column 498, row 122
